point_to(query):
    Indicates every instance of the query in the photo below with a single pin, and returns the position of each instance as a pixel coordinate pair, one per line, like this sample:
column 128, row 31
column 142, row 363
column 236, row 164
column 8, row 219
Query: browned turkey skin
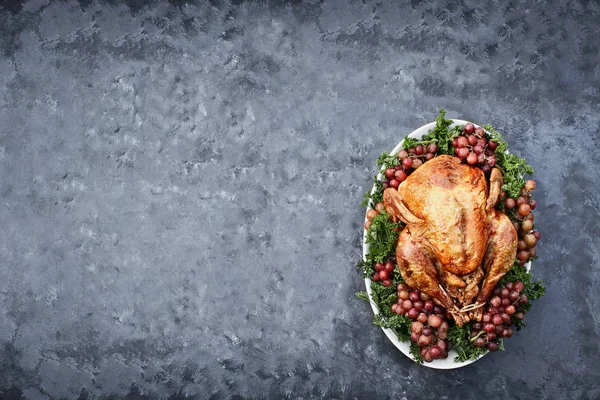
column 456, row 246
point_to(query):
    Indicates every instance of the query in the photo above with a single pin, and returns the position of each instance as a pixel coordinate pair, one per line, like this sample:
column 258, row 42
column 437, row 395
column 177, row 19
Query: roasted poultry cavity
column 456, row 246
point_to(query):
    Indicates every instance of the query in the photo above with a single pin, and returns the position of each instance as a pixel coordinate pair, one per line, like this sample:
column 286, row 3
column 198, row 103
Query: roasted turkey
column 456, row 246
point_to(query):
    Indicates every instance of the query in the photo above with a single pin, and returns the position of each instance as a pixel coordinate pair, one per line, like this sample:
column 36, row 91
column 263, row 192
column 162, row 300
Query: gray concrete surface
column 180, row 188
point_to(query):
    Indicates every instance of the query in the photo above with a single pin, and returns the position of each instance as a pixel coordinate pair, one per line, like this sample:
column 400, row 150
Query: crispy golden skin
column 454, row 239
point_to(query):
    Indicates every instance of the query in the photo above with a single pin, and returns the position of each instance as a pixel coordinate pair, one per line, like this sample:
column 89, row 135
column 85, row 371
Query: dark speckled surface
column 180, row 188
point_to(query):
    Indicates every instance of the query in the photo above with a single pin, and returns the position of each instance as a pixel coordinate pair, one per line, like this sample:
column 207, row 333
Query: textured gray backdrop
column 180, row 188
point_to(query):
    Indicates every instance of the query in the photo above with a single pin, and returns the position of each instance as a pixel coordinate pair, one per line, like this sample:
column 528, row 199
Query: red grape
column 491, row 160
column 505, row 302
column 489, row 327
column 461, row 142
column 537, row 234
column 519, row 286
column 375, row 276
column 434, row 321
column 455, row 142
column 429, row 156
column 442, row 345
column 513, row 296
column 407, row 304
column 425, row 296
column 387, row 283
column 486, row 318
column 510, row 310
column 527, row 225
column 496, row 319
column 416, row 326
column 492, row 145
column 400, row 176
column 492, row 346
column 394, row 183
column 496, row 301
column 510, row 203
column 509, row 285
column 442, row 335
column 437, row 310
column 427, row 331
column 478, row 149
column 413, row 313
column 477, row 326
column 389, row 266
column 505, row 318
column 493, row 310
column 407, row 162
column 419, row 150
column 418, row 305
column 424, row 340
column 428, row 357
column 414, row 296
column 432, row 148
column 519, row 316
column 530, row 240
column 530, row 185
column 417, row 163
column 472, row 140
column 435, row 351
column 469, row 128
column 482, row 142
column 500, row 309
column 443, row 327
column 383, row 275
column 532, row 204
column 472, row 158
column 429, row 305
column 479, row 342
column 394, row 308
column 415, row 337
column 389, row 173
column 507, row 333
column 386, row 184
column 462, row 152
column 479, row 131
column 524, row 209
column 504, row 292
column 402, row 154
column 486, row 168
column 523, row 255
column 523, row 299
column 491, row 336
column 378, row 266
column 422, row 317
column 403, row 294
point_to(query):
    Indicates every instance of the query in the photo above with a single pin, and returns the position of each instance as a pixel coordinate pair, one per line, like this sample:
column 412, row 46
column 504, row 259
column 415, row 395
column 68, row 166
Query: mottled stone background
column 180, row 188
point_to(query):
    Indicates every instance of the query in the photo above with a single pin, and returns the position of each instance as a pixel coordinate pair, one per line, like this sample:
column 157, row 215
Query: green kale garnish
column 461, row 340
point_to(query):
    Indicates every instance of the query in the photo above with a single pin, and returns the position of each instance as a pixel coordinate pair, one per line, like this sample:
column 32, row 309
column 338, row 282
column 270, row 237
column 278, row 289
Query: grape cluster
column 524, row 206
column 473, row 148
column 503, row 309
column 429, row 330
column 411, row 159
column 384, row 273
